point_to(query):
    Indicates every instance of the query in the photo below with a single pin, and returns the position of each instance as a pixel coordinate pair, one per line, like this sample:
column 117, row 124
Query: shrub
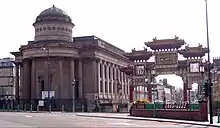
column 142, row 101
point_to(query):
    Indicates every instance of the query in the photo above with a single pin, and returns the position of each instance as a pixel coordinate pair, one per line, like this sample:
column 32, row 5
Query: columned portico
column 69, row 69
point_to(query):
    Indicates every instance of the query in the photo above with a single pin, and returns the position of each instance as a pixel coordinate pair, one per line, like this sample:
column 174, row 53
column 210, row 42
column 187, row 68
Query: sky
column 126, row 24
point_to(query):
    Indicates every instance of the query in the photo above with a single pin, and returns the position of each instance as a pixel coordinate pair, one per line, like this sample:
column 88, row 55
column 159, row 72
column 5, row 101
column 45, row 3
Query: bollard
column 49, row 108
column 218, row 116
column 37, row 108
column 31, row 108
column 3, row 107
column 18, row 108
column 25, row 107
column 11, row 108
column 8, row 107
column 62, row 108
column 82, row 108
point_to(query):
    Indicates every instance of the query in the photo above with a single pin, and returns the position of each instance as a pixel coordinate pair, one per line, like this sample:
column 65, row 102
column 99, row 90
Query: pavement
column 127, row 116
column 58, row 119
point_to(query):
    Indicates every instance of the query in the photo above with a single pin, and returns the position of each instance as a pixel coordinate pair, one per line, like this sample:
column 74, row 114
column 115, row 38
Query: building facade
column 72, row 71
column 7, row 79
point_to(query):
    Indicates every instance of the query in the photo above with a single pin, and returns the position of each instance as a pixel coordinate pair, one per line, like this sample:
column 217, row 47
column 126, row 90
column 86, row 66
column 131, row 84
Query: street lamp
column 73, row 94
column 202, row 70
column 48, row 76
column 209, row 68
column 153, row 74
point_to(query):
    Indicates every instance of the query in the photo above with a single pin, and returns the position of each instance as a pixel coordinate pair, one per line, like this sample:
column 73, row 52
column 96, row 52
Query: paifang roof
column 156, row 44
column 139, row 55
column 198, row 51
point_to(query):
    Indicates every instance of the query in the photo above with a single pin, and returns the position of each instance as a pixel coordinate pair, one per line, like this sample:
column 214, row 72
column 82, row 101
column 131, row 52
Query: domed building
column 67, row 70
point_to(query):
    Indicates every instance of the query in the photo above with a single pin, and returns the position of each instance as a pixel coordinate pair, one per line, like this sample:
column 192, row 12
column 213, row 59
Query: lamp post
column 48, row 76
column 202, row 70
column 73, row 94
column 153, row 73
column 209, row 73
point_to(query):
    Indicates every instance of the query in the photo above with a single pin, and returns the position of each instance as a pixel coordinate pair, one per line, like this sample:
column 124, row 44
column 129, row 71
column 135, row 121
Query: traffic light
column 206, row 88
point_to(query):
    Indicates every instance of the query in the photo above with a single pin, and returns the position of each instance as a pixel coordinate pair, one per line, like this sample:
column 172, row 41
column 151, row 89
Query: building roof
column 156, row 44
column 6, row 62
column 198, row 51
column 139, row 55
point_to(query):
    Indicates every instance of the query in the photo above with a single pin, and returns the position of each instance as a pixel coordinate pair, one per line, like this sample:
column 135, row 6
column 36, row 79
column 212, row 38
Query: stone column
column 112, row 81
column 185, row 87
column 98, row 75
column 61, row 78
column 94, row 75
column 33, row 79
column 81, row 94
column 119, row 79
column 27, row 80
column 107, row 79
column 22, row 81
column 103, row 77
column 131, row 93
column 72, row 86
column 115, row 83
column 17, row 82
column 149, row 90
column 122, row 82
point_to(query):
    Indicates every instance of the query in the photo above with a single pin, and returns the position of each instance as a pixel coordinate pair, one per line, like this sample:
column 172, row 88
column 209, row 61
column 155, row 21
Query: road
column 14, row 119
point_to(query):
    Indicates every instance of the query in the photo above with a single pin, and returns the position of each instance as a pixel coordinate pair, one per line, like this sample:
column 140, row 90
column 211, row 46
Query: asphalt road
column 14, row 119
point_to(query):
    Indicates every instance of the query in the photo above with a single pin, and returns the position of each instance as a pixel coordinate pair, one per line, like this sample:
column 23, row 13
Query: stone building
column 81, row 69
column 7, row 79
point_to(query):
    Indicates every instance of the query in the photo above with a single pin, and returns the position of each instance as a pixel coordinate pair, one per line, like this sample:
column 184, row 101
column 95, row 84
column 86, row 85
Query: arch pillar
column 185, row 87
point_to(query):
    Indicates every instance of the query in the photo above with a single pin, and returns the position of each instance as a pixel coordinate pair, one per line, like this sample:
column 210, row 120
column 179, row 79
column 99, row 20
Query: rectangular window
column 100, row 67
column 125, row 89
column 114, row 86
column 113, row 73
column 105, row 69
column 106, row 87
column 7, row 90
column 109, row 72
column 101, row 86
column 117, row 74
column 110, row 87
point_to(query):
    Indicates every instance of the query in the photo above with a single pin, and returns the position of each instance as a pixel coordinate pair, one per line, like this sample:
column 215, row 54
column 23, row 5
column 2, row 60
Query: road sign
column 41, row 103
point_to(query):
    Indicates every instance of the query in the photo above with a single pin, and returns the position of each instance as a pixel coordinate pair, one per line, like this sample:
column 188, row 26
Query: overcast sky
column 124, row 23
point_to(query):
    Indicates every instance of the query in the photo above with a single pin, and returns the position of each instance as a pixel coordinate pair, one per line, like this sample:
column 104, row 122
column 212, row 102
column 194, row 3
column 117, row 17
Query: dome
column 53, row 11
column 53, row 14
column 53, row 24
